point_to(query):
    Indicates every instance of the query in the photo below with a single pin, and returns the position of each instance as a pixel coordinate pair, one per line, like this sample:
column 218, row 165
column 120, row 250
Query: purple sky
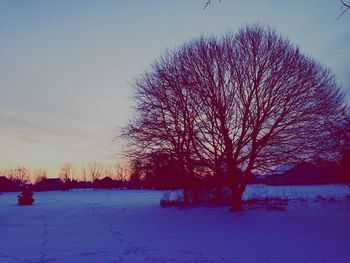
column 66, row 67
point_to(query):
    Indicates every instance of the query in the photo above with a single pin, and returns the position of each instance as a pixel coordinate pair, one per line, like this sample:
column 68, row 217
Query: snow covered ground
column 130, row 226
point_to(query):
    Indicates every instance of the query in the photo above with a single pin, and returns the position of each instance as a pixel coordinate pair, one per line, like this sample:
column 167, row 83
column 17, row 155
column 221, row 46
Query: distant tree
column 121, row 173
column 84, row 175
column 108, row 171
column 39, row 175
column 95, row 170
column 19, row 175
column 248, row 101
column 67, row 172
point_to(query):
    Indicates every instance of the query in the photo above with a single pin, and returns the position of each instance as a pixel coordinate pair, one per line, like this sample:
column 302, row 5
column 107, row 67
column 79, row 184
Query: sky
column 67, row 67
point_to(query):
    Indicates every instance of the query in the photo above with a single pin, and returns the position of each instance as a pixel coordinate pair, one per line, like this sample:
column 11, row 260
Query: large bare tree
column 285, row 105
column 244, row 102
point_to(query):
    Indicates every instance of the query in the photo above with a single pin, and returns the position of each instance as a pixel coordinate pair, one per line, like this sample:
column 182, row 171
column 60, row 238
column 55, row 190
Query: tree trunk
column 186, row 196
column 236, row 198
column 196, row 198
column 219, row 186
column 218, row 193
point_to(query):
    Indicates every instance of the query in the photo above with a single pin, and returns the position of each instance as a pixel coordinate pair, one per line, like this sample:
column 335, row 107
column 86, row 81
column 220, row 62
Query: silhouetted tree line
column 227, row 107
column 93, row 175
column 14, row 179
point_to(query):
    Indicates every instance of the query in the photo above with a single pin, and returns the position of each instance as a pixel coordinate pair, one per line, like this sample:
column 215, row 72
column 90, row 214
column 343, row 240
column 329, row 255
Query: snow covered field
column 130, row 226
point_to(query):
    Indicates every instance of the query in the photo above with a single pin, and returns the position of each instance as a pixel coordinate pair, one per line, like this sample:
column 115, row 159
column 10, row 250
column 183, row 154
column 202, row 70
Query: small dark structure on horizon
column 302, row 174
column 7, row 185
column 49, row 184
column 107, row 183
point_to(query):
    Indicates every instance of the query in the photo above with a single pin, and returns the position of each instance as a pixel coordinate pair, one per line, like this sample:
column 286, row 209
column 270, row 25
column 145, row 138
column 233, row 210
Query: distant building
column 50, row 184
column 281, row 169
column 107, row 183
column 6, row 185
column 301, row 174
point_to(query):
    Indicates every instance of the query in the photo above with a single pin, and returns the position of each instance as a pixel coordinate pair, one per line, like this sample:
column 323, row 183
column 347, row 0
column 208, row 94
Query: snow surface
column 130, row 226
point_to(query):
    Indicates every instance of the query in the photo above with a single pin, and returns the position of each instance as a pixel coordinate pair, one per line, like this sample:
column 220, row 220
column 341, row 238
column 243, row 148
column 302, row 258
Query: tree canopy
column 235, row 104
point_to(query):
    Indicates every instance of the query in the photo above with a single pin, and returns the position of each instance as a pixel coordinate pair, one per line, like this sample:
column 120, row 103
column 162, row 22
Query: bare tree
column 285, row 106
column 248, row 101
column 66, row 172
column 19, row 175
column 108, row 171
column 122, row 172
column 39, row 175
column 268, row 101
column 95, row 170
column 83, row 174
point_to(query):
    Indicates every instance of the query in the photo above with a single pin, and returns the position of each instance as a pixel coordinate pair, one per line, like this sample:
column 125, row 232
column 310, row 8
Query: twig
column 343, row 9
column 208, row 3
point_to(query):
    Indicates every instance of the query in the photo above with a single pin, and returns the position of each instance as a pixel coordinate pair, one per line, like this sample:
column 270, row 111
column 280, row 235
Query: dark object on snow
column 26, row 198
column 107, row 183
column 7, row 185
column 48, row 184
column 302, row 174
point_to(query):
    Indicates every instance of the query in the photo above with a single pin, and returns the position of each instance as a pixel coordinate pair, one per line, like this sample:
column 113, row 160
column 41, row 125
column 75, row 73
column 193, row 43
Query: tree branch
column 343, row 9
column 207, row 3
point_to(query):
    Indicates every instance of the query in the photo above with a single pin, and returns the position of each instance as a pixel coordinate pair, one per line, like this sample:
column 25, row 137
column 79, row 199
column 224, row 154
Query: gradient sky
column 66, row 67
